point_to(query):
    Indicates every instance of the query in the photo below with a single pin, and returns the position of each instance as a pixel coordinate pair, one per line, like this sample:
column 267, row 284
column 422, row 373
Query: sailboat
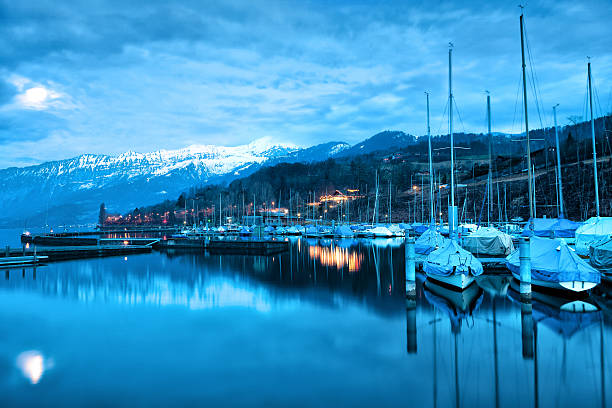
column 596, row 228
column 489, row 240
column 450, row 264
column 377, row 231
column 554, row 265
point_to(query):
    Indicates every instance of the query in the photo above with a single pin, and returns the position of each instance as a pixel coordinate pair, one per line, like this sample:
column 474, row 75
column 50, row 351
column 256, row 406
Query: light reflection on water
column 325, row 322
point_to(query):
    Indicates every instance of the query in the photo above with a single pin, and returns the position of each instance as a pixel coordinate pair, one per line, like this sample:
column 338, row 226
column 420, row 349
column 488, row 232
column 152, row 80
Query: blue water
column 323, row 325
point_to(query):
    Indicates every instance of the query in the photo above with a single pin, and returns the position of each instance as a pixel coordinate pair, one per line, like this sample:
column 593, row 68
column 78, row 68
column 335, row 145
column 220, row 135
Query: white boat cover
column 429, row 241
column 488, row 241
column 592, row 231
column 396, row 229
column 380, row 232
column 553, row 261
column 451, row 259
column 292, row 230
column 269, row 229
column 344, row 231
column 601, row 255
column 551, row 228
column 311, row 230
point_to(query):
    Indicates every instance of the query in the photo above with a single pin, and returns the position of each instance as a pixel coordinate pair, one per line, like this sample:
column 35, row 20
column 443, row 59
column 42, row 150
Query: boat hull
column 458, row 281
column 570, row 286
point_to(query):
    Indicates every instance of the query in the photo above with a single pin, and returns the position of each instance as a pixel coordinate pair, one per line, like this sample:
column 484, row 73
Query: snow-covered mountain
column 70, row 191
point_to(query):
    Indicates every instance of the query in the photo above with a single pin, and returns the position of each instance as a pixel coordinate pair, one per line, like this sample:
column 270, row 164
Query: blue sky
column 110, row 76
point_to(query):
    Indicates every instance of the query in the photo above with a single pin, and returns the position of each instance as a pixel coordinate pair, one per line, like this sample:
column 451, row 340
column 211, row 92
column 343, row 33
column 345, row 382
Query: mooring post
column 35, row 257
column 410, row 266
column 8, row 251
column 525, row 267
column 23, row 249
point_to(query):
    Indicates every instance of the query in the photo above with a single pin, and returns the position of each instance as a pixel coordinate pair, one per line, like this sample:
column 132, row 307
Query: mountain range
column 69, row 191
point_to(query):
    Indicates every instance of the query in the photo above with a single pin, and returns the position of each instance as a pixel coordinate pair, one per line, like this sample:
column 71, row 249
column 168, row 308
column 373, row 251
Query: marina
column 342, row 303
column 306, row 204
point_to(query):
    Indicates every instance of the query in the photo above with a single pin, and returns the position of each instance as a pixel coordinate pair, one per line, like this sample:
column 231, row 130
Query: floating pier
column 16, row 261
column 62, row 253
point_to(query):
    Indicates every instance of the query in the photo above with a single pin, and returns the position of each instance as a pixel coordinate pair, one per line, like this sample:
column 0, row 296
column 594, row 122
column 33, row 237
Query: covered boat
column 396, row 230
column 293, row 230
column 343, row 231
column 555, row 265
column 452, row 265
column 429, row 241
column 269, row 229
column 244, row 231
column 311, row 231
column 593, row 230
column 488, row 241
column 601, row 255
column 551, row 228
column 379, row 232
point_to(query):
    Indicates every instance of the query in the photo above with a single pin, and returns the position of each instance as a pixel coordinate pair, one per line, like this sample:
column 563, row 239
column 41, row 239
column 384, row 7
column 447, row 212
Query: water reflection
column 32, row 365
column 306, row 311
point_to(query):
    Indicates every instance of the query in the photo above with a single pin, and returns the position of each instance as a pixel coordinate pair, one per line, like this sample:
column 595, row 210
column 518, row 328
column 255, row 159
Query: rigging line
column 443, row 116
column 459, row 114
column 534, row 82
column 518, row 90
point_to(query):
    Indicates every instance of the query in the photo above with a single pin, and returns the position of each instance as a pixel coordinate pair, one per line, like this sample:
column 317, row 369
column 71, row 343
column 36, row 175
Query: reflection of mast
column 457, row 404
column 391, row 264
column 495, row 354
column 435, row 365
column 536, row 402
column 602, row 364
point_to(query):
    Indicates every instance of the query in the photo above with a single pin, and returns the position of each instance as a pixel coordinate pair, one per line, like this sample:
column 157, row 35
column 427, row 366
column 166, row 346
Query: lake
column 325, row 324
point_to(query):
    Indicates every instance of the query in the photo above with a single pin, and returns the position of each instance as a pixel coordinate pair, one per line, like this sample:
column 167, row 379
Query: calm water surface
column 324, row 325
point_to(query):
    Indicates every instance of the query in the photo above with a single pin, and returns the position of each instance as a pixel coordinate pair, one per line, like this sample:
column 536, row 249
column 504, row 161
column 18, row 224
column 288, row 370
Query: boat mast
column 593, row 140
column 559, row 183
column 376, row 200
column 431, row 175
column 452, row 142
column 490, row 177
column 529, row 176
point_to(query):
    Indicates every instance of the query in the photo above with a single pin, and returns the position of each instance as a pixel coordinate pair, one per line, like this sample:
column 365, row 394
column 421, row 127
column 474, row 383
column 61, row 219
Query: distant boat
column 551, row 228
column 595, row 229
column 601, row 257
column 344, row 231
column 488, row 241
column 452, row 265
column 293, row 230
column 429, row 241
column 379, row 232
column 555, row 265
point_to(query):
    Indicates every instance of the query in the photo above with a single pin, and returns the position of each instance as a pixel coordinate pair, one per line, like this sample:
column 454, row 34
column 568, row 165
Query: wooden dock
column 16, row 261
column 63, row 253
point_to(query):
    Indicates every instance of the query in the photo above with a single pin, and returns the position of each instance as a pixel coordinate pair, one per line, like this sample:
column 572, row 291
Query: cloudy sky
column 97, row 76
